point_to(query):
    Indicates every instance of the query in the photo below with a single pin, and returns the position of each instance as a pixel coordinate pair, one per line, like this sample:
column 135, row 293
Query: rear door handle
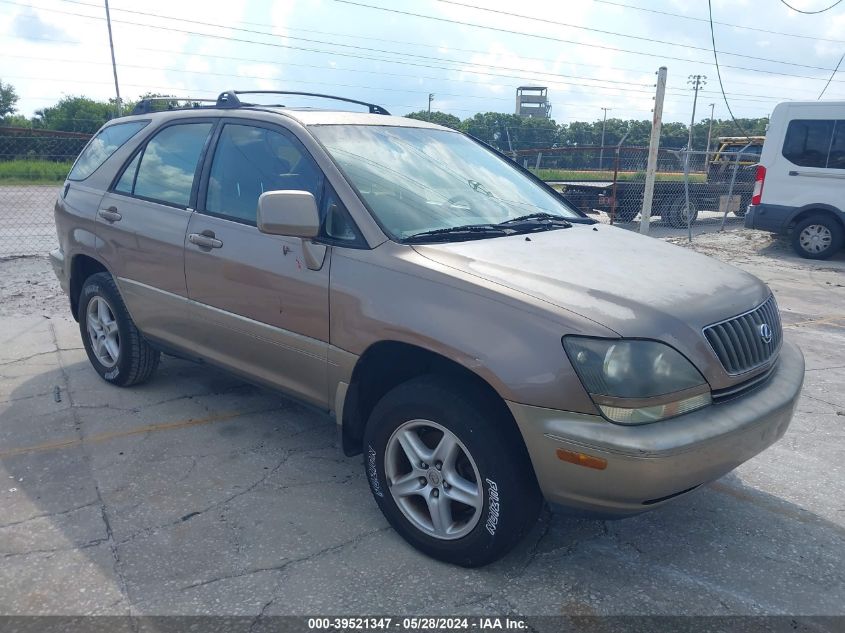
column 205, row 239
column 110, row 214
column 793, row 173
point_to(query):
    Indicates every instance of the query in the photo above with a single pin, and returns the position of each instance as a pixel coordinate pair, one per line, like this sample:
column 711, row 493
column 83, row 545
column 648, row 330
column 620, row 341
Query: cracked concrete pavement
column 199, row 494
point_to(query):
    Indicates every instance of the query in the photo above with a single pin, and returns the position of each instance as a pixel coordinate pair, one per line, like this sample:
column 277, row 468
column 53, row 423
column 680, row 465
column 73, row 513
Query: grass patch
column 607, row 176
column 33, row 172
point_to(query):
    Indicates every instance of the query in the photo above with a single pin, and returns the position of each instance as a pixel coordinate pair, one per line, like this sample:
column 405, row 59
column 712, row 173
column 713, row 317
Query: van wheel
column 115, row 347
column 817, row 237
column 450, row 474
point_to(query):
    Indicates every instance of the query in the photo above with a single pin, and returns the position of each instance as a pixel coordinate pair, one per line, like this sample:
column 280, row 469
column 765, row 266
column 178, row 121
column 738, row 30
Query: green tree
column 509, row 132
column 440, row 118
column 8, row 100
column 75, row 114
column 16, row 120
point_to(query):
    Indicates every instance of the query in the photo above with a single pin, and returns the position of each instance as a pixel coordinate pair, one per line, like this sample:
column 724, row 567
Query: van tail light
column 759, row 178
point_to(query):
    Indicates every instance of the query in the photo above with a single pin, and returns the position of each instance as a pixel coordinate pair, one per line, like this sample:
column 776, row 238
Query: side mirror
column 291, row 213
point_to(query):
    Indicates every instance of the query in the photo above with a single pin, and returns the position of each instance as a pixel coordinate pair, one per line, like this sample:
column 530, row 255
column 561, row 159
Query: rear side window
column 104, row 144
column 808, row 143
column 167, row 165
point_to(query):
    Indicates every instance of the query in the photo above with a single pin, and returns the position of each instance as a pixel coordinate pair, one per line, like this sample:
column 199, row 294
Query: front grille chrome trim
column 738, row 343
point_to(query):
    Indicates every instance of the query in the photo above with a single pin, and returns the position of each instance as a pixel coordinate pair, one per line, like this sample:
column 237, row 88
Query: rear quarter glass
column 105, row 143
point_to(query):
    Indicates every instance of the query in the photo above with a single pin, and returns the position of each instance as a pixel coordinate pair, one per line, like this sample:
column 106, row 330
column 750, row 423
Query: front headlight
column 636, row 381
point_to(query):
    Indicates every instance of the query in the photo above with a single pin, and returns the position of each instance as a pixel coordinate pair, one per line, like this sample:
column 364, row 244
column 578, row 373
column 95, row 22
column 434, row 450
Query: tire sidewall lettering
column 493, row 506
column 372, row 472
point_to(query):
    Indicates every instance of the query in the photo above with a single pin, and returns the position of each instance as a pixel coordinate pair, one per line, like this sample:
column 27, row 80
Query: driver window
column 250, row 160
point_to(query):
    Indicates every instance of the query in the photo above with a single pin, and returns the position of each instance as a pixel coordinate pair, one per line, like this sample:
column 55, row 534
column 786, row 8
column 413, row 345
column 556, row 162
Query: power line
column 719, row 72
column 821, row 94
column 451, row 48
column 579, row 86
column 735, row 26
column 556, row 39
column 762, row 99
column 300, row 48
column 395, row 53
column 810, row 12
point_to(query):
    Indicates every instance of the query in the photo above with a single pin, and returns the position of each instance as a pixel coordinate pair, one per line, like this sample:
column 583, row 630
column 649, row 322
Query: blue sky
column 60, row 47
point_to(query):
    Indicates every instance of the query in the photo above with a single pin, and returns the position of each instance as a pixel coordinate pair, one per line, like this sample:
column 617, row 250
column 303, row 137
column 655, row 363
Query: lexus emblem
column 766, row 333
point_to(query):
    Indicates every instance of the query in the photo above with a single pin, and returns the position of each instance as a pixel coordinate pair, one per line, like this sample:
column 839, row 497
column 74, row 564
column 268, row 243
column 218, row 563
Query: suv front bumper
column 651, row 463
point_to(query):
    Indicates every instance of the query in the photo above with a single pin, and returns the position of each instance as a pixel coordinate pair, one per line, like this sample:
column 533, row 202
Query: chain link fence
column 694, row 192
column 33, row 166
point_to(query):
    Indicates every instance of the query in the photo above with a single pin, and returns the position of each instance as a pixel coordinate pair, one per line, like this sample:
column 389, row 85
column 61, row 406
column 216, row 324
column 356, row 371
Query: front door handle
column 205, row 239
column 110, row 214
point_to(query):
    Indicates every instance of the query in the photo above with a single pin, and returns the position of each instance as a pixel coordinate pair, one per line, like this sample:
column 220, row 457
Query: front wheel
column 450, row 472
column 115, row 347
column 817, row 237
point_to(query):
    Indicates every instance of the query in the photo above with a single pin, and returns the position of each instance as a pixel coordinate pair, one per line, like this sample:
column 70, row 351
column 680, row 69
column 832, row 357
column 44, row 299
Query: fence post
column 653, row 145
column 537, row 164
column 613, row 195
column 731, row 187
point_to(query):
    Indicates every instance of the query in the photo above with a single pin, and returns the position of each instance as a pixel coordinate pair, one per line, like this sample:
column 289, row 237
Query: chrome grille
column 740, row 342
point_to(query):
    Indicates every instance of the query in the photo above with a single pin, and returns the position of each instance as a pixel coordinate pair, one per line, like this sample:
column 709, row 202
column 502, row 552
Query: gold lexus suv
column 479, row 342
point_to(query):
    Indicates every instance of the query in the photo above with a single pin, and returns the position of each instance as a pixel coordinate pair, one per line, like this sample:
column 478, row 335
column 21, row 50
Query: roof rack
column 145, row 106
column 229, row 99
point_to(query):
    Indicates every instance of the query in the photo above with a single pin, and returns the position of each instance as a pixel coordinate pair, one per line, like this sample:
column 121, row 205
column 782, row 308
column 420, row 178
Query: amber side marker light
column 581, row 459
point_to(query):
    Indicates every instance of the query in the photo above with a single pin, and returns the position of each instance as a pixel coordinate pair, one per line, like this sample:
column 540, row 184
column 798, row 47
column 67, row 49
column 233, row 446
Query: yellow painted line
column 823, row 321
column 105, row 437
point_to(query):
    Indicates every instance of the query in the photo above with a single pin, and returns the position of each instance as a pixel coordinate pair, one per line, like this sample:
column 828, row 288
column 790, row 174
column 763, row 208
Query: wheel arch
column 82, row 266
column 816, row 209
column 386, row 364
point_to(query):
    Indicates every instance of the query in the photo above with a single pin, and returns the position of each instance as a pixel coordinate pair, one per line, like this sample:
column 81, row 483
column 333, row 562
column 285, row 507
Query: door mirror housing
column 290, row 213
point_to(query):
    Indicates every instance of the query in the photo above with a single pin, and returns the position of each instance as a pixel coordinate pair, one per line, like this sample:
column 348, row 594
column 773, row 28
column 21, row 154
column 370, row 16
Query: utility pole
column 601, row 151
column 653, row 145
column 709, row 135
column 697, row 81
column 430, row 99
column 113, row 64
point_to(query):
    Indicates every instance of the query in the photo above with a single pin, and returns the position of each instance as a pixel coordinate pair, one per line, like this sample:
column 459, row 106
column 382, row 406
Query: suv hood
column 635, row 285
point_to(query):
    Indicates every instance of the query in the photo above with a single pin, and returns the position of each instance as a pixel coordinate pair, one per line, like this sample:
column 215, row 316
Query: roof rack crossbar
column 145, row 106
column 229, row 99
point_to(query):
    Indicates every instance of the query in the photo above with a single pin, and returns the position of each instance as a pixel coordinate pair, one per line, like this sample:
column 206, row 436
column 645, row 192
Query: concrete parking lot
column 199, row 494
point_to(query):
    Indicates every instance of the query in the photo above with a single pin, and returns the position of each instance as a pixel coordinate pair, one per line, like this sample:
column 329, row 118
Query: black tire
column 136, row 359
column 743, row 206
column 626, row 213
column 510, row 497
column 825, row 222
column 676, row 216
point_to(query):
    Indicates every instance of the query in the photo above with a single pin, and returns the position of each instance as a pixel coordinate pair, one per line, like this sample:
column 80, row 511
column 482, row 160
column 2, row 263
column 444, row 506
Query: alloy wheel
column 433, row 479
column 102, row 331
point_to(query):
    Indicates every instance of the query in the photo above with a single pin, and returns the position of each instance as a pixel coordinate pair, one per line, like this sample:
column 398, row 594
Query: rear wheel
column 743, row 206
column 449, row 471
column 115, row 347
column 679, row 214
column 817, row 237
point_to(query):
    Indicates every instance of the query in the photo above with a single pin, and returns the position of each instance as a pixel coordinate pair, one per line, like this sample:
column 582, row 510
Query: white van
column 800, row 184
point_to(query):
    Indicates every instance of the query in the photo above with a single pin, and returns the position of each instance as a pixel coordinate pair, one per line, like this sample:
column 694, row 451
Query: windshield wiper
column 467, row 231
column 541, row 218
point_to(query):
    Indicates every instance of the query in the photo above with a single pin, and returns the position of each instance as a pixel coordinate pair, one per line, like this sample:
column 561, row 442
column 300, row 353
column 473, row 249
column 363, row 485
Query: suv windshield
column 418, row 180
